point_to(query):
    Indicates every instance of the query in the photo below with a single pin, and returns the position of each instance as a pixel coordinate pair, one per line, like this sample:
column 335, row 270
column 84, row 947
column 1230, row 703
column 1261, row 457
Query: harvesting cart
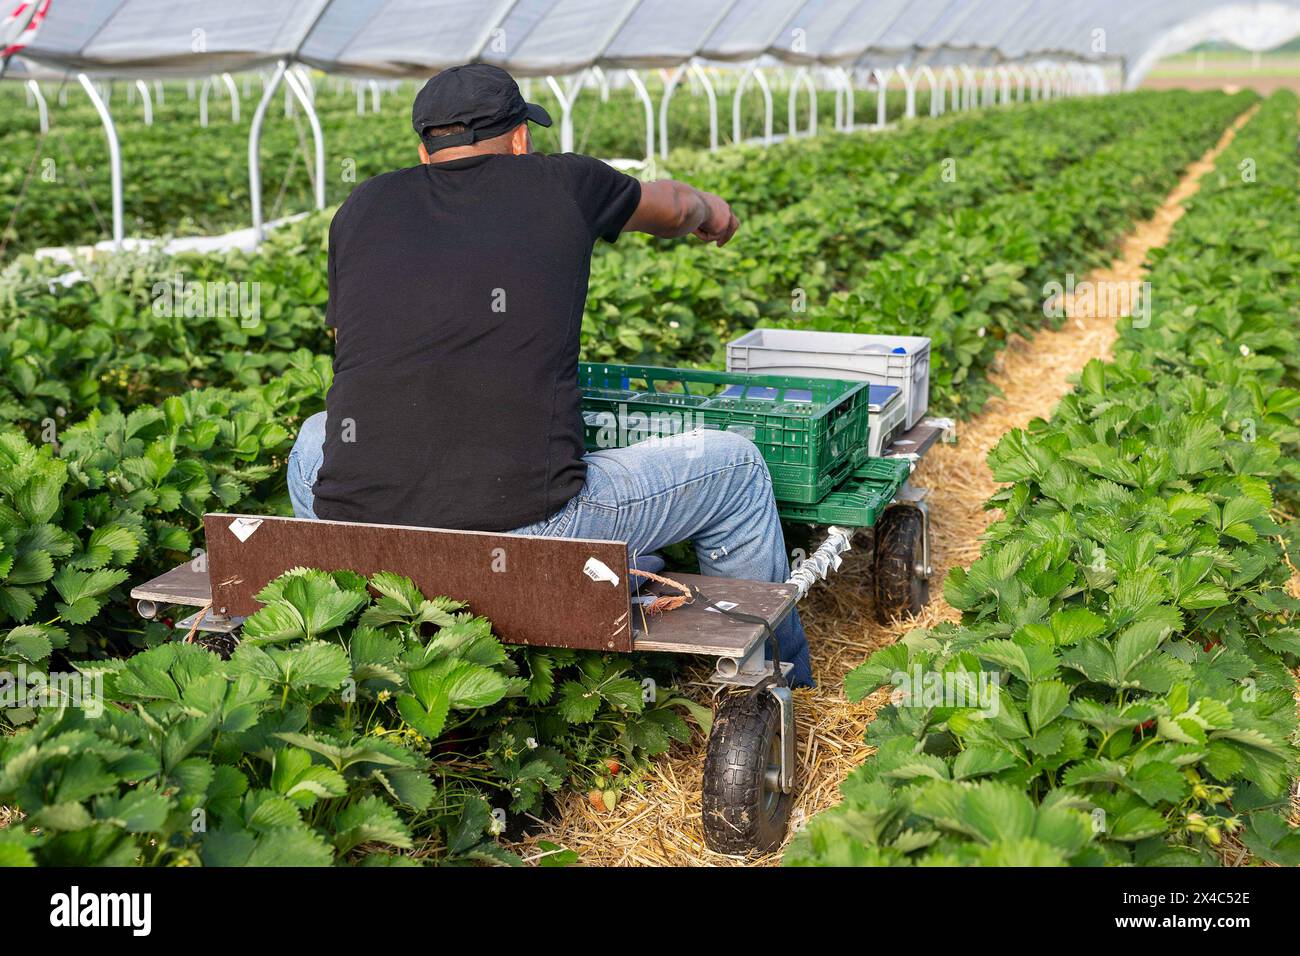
column 840, row 452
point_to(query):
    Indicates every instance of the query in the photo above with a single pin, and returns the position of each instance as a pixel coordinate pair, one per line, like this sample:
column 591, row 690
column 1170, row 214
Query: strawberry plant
column 282, row 754
column 970, row 278
column 199, row 182
column 980, row 238
column 356, row 721
column 1121, row 687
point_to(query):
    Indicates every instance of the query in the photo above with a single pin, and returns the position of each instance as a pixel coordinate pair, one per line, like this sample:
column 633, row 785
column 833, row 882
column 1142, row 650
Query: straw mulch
column 657, row 823
column 660, row 824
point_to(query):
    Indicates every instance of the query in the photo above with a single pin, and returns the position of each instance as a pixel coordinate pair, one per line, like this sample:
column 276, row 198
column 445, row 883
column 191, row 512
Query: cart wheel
column 223, row 645
column 801, row 538
column 744, row 808
column 899, row 581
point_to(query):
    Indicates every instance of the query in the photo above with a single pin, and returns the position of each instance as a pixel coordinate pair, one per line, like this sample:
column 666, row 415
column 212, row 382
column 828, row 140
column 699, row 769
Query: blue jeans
column 709, row 487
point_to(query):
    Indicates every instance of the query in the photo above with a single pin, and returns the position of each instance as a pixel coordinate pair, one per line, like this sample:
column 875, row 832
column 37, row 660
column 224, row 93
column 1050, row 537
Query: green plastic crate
column 812, row 431
column 859, row 501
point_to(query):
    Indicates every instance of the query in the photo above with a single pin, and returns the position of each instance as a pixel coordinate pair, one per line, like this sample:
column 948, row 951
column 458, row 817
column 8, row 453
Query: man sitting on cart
column 456, row 293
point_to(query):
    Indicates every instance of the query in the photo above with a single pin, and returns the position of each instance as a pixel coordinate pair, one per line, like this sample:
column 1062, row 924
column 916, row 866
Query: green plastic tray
column 859, row 501
column 812, row 431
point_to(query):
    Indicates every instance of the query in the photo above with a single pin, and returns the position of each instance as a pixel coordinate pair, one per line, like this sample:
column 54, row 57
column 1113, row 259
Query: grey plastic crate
column 844, row 355
column 887, row 411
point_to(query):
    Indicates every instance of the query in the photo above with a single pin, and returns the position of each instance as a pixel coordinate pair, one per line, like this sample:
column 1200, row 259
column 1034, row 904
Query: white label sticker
column 243, row 528
column 598, row 570
column 721, row 606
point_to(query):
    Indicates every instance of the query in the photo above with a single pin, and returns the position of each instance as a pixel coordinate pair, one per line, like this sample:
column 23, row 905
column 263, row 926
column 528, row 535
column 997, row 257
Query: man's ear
column 425, row 158
column 520, row 142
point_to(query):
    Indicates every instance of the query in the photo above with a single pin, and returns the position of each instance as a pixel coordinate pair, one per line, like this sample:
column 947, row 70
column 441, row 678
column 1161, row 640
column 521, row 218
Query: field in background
column 1227, row 69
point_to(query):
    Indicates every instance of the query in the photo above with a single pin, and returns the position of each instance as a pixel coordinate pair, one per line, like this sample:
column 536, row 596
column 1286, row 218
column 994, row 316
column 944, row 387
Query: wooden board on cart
column 187, row 585
column 555, row 592
column 579, row 612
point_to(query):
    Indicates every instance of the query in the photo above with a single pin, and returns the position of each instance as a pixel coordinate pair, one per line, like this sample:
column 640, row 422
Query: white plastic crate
column 843, row 355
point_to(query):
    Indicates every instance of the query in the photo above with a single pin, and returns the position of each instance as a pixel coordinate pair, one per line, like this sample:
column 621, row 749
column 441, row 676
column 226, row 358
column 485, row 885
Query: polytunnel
column 966, row 52
column 411, row 38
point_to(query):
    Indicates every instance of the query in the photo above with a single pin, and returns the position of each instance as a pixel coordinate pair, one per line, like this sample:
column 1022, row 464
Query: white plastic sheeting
column 1252, row 26
column 387, row 42
column 971, row 32
column 162, row 37
column 538, row 37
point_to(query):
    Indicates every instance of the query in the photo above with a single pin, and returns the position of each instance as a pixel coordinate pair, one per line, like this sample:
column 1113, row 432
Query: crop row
column 344, row 727
column 182, row 178
column 158, row 449
column 128, row 441
column 973, row 198
column 959, row 252
column 339, row 722
column 106, row 340
column 1121, row 689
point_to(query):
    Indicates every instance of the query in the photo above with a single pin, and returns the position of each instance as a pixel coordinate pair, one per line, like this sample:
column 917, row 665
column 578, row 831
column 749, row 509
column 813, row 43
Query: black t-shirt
column 456, row 291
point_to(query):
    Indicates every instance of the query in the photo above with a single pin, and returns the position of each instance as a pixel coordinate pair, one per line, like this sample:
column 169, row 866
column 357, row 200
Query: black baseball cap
column 483, row 98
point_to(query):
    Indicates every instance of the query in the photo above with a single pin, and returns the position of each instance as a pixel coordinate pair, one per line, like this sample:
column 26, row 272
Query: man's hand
column 670, row 209
column 720, row 224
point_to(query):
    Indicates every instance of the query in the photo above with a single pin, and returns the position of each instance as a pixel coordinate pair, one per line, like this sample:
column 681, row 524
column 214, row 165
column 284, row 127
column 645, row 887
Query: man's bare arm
column 670, row 209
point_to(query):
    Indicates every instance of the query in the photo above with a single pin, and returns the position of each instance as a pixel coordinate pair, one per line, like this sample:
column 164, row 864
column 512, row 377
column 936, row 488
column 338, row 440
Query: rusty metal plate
column 554, row 592
column 695, row 629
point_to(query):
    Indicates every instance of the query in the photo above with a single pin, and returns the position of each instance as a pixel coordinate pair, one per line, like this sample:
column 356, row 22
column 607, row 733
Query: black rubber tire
column 223, row 645
column 742, row 812
column 900, row 547
column 801, row 537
